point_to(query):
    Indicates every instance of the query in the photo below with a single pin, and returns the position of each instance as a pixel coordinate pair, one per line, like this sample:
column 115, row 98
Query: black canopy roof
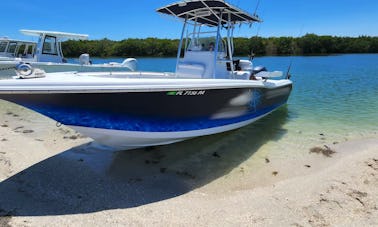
column 208, row 12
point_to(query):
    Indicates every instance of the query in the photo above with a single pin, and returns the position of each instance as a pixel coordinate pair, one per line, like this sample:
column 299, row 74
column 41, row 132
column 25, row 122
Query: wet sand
column 53, row 176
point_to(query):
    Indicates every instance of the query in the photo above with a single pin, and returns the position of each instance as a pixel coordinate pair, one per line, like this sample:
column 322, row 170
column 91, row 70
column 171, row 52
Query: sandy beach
column 52, row 176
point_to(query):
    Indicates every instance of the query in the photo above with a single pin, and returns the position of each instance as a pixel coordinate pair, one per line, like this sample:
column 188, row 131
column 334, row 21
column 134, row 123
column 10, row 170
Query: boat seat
column 242, row 75
column 192, row 70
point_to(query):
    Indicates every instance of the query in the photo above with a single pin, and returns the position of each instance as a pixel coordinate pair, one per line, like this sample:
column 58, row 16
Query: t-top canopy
column 208, row 12
column 60, row 35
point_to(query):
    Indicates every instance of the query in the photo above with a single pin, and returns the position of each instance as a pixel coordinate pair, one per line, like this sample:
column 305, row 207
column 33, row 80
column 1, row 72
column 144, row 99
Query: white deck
column 71, row 82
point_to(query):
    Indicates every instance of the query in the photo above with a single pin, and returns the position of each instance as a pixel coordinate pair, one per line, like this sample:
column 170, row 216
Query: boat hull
column 128, row 120
column 126, row 140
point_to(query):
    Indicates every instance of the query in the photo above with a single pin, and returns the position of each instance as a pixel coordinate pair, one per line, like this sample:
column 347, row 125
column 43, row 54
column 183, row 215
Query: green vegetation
column 310, row 44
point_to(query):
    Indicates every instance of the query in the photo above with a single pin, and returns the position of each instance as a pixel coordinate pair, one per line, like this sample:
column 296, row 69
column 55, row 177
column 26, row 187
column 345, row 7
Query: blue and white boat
column 210, row 91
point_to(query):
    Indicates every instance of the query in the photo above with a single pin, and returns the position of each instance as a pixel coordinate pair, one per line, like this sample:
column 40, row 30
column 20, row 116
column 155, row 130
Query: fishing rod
column 288, row 75
column 252, row 54
column 257, row 6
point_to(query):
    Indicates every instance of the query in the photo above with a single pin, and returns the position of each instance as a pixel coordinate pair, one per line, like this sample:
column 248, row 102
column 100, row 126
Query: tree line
column 309, row 44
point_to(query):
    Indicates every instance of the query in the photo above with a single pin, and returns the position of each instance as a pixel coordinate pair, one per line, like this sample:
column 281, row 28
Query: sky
column 122, row 19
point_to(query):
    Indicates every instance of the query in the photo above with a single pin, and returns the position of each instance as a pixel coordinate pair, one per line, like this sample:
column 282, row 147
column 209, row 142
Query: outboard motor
column 84, row 59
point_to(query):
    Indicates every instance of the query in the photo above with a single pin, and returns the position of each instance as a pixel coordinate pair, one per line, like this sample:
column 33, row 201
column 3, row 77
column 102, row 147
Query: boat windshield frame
column 203, row 41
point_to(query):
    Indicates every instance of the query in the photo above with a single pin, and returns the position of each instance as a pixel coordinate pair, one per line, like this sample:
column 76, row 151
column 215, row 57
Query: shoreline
column 51, row 174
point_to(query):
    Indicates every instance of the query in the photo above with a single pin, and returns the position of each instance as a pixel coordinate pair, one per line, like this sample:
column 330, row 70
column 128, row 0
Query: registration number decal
column 185, row 93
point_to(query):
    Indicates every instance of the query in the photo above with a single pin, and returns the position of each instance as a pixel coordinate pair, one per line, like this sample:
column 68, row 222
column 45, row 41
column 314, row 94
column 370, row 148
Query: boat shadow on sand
column 91, row 178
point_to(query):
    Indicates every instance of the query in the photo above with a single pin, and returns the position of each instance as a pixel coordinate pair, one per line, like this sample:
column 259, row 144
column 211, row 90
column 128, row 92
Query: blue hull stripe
column 82, row 118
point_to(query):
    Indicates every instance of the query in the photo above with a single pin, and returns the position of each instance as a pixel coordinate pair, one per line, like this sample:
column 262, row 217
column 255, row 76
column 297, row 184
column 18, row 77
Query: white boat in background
column 210, row 92
column 47, row 54
column 11, row 49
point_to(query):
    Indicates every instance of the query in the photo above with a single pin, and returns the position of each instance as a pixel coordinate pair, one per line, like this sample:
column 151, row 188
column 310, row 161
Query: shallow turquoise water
column 335, row 98
column 338, row 89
